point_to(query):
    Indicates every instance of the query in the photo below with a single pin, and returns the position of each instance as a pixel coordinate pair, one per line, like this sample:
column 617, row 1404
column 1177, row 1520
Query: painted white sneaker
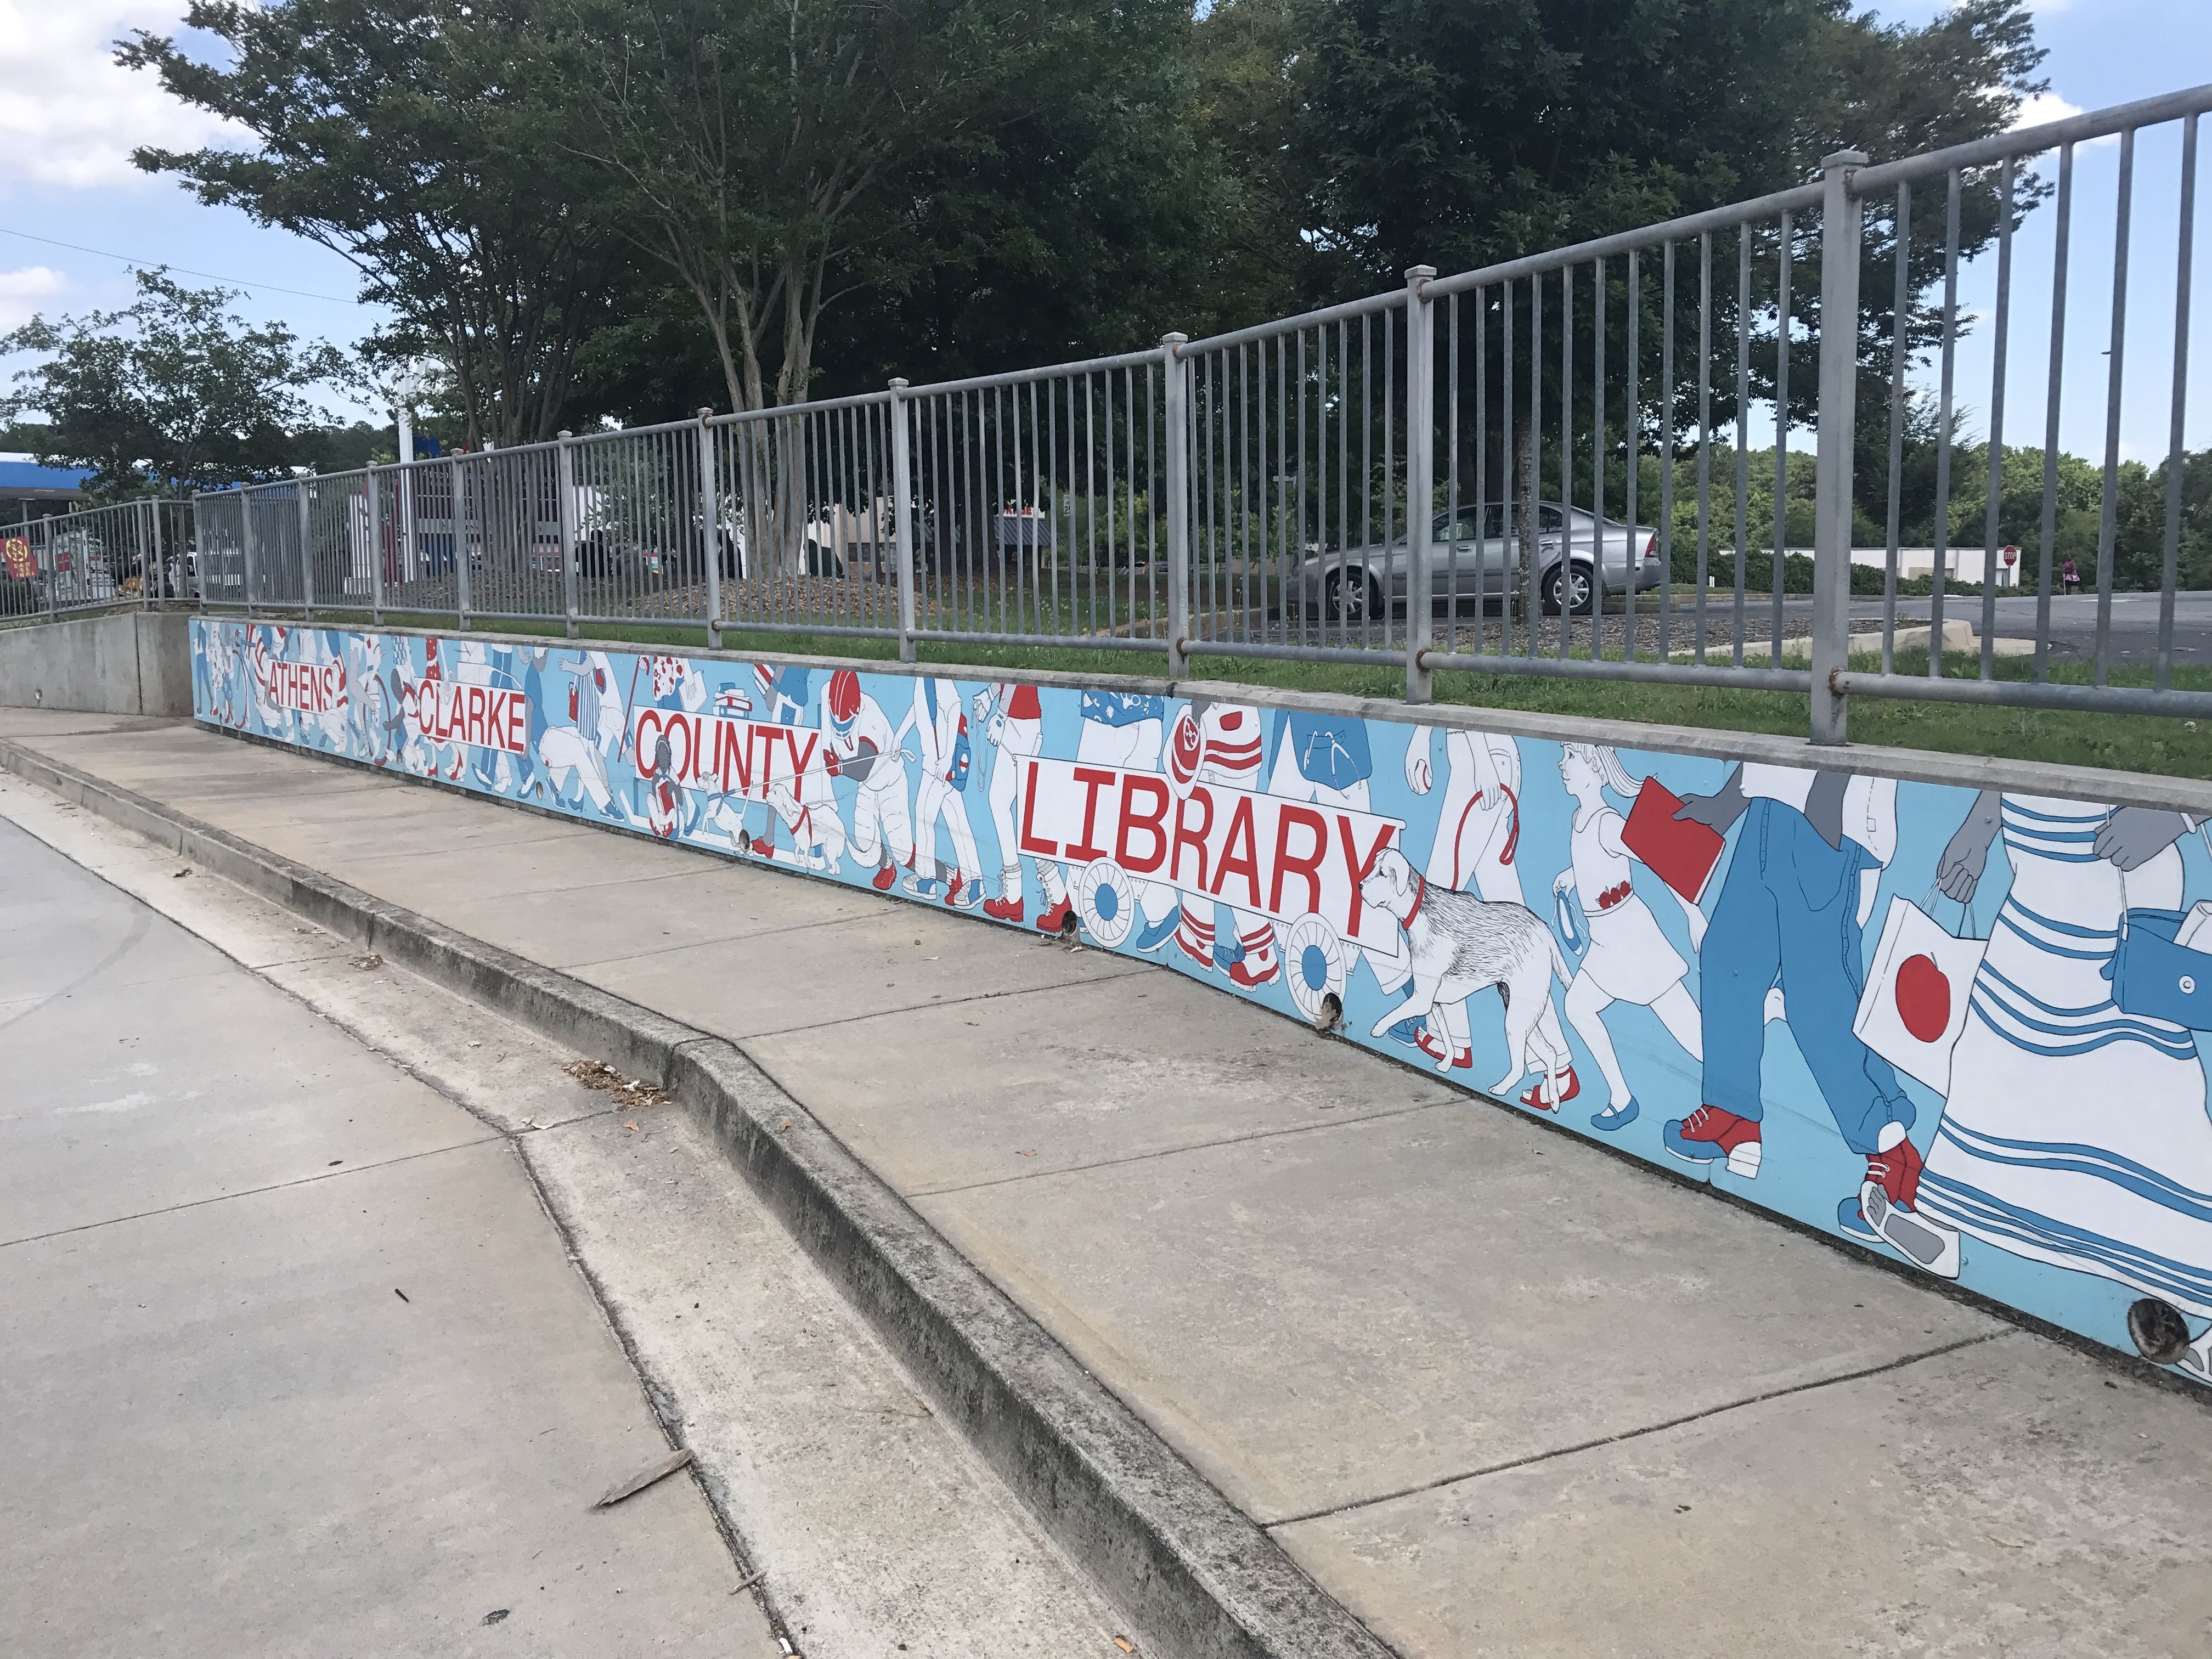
column 1925, row 1243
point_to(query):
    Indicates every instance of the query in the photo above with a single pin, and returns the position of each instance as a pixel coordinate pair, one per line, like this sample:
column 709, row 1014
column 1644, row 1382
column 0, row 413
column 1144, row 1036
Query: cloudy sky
column 70, row 119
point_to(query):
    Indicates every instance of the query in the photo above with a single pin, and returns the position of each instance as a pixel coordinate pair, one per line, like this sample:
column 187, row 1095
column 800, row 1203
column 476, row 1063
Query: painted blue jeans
column 1788, row 913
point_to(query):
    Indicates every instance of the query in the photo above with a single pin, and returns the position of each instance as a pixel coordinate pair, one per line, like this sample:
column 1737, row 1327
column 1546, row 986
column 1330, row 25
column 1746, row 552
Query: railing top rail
column 2033, row 141
column 1795, row 200
column 1345, row 312
column 1022, row 376
column 821, row 406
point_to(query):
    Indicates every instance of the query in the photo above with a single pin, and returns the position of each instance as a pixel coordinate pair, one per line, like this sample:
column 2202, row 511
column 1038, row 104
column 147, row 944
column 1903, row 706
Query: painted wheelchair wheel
column 1106, row 899
column 1313, row 957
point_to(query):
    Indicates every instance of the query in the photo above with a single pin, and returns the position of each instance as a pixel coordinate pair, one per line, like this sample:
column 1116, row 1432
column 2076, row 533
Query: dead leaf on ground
column 597, row 1074
column 644, row 1478
column 368, row 963
column 173, row 874
column 1125, row 1645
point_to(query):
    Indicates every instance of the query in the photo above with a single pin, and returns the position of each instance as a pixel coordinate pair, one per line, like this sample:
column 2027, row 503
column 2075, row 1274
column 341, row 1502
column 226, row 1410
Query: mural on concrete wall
column 1956, row 1028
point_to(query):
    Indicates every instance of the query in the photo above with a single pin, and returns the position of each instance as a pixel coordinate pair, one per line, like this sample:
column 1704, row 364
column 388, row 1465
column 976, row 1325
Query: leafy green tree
column 170, row 394
column 769, row 155
column 408, row 135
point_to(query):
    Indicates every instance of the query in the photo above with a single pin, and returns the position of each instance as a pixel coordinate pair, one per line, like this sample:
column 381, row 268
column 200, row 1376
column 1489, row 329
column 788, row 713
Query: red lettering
column 1092, row 781
column 518, row 723
column 1307, row 864
column 1238, row 853
column 732, row 744
column 1194, row 839
column 1153, row 823
column 1361, row 868
column 1031, row 842
column 473, row 729
column 800, row 759
column 648, row 728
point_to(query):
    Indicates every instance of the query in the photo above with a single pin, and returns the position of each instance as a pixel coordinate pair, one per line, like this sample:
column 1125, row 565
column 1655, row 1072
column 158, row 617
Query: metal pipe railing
column 1447, row 476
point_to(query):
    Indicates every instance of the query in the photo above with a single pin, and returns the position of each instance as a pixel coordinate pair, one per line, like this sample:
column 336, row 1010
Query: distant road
column 2072, row 623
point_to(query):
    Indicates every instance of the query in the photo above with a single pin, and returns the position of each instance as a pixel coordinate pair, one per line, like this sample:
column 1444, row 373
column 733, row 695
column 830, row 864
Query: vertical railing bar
column 1704, row 444
column 1597, row 461
column 1566, row 464
column 1510, row 489
column 1899, row 320
column 1943, row 524
column 1451, row 485
column 2108, row 513
column 1666, row 450
column 1743, row 279
column 1390, row 463
column 2176, row 456
column 1632, row 447
column 2061, row 230
column 1534, row 530
column 1482, row 494
column 1777, row 581
column 2000, row 336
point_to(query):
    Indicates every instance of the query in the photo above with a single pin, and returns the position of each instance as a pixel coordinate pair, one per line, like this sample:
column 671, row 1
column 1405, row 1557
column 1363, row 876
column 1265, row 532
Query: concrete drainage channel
column 1192, row 1576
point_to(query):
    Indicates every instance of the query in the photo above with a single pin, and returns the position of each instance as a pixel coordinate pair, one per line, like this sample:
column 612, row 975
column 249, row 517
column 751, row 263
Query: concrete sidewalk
column 295, row 1362
column 1496, row 1390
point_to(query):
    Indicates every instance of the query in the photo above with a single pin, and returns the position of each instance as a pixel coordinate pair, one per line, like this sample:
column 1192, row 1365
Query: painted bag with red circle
column 1914, row 1005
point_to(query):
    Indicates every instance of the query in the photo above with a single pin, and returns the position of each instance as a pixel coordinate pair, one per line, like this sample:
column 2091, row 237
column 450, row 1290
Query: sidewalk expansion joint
column 939, row 1002
column 1350, row 1121
column 1437, row 1484
column 253, row 1192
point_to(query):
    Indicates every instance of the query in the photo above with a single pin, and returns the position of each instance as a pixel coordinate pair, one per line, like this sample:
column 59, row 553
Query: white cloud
column 21, row 291
column 2045, row 107
column 71, row 117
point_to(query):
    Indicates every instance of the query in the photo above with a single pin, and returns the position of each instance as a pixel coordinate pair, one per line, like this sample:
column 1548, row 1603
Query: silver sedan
column 1579, row 557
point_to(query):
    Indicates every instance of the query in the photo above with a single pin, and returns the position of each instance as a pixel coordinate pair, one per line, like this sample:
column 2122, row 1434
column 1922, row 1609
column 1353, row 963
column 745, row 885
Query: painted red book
column 1682, row 852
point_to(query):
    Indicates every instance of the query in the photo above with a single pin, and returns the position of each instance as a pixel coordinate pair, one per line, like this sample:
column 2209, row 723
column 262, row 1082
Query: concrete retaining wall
column 133, row 663
column 1869, row 990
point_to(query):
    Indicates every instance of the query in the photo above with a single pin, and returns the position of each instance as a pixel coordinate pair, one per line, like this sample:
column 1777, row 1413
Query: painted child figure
column 1012, row 722
column 862, row 746
column 940, row 726
column 1626, row 957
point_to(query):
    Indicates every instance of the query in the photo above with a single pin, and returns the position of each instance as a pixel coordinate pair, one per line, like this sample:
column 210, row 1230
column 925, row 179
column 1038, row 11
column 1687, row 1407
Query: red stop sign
column 2012, row 556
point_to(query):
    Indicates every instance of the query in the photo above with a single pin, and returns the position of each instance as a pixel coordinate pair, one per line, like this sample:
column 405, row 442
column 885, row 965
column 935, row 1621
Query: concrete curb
column 1195, row 1578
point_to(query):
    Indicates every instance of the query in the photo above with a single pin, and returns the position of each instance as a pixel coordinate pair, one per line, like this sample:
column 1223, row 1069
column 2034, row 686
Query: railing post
column 903, row 491
column 1178, row 373
column 375, row 548
column 1420, row 479
column 246, row 545
column 710, row 530
column 53, row 568
column 1840, row 226
column 150, row 554
column 460, row 541
column 565, row 482
column 306, row 551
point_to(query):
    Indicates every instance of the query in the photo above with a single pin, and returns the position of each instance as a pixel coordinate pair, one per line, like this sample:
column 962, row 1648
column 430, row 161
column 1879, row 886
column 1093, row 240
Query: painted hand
column 1419, row 779
column 2134, row 836
column 1958, row 872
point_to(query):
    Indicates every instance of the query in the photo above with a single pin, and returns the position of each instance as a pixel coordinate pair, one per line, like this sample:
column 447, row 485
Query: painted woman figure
column 2075, row 1133
column 1628, row 958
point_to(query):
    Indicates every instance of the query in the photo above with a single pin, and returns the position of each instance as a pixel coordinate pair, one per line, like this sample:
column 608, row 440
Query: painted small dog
column 1461, row 944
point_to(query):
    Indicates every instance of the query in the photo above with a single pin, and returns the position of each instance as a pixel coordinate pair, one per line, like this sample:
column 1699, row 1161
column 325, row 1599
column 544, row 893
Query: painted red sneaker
column 1568, row 1087
column 1054, row 921
column 1003, row 909
column 1427, row 1044
column 1897, row 1172
column 1713, row 1131
column 885, row 877
column 1240, row 973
